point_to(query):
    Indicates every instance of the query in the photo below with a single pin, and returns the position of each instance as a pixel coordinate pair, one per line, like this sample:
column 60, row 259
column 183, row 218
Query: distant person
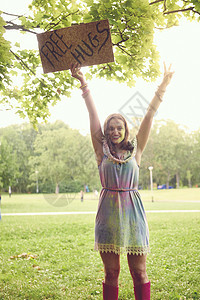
column 82, row 195
column 96, row 193
column 121, row 223
column 10, row 191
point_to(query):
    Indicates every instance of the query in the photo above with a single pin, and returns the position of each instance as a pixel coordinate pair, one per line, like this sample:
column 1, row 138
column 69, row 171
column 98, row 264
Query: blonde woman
column 121, row 223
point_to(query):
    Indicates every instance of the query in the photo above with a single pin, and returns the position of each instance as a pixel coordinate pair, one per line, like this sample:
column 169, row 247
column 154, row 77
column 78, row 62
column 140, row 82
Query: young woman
column 121, row 223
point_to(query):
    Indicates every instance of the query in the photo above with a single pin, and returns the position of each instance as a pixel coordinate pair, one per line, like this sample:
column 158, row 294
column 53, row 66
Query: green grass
column 163, row 199
column 185, row 194
column 66, row 266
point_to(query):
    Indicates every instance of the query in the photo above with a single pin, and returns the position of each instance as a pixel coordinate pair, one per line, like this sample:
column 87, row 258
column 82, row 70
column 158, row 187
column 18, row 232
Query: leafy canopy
column 132, row 25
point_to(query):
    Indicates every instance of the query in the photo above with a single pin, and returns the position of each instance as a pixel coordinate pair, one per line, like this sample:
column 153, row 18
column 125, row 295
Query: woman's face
column 116, row 130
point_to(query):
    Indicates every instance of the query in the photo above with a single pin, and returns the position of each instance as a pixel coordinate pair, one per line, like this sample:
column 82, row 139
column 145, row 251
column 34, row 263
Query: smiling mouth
column 115, row 138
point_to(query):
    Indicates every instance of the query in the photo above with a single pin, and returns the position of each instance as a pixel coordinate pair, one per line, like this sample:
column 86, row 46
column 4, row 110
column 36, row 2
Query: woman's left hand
column 167, row 76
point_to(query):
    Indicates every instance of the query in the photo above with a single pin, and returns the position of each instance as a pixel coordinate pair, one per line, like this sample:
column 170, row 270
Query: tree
column 169, row 152
column 8, row 165
column 132, row 25
column 20, row 139
column 56, row 155
column 64, row 160
column 196, row 157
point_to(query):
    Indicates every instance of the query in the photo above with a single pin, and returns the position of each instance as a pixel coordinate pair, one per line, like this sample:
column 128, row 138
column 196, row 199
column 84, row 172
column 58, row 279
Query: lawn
column 163, row 199
column 61, row 263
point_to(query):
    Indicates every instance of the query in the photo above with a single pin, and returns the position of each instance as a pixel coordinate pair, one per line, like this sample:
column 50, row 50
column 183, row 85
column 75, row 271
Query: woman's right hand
column 76, row 72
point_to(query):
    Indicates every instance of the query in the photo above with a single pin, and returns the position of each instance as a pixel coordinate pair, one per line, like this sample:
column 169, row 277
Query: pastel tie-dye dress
column 121, row 223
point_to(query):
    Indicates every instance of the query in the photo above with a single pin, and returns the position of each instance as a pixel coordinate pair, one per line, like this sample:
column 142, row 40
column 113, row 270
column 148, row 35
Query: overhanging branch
column 12, row 15
column 177, row 10
column 13, row 26
column 181, row 10
column 24, row 65
column 154, row 2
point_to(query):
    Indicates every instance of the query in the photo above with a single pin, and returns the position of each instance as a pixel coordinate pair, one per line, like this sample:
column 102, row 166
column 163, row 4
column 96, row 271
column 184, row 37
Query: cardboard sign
column 88, row 44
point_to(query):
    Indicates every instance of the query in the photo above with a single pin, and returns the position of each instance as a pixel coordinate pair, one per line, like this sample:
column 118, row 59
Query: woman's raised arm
column 145, row 127
column 95, row 126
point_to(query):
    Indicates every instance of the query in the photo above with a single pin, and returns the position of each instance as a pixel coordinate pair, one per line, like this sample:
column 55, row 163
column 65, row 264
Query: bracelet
column 82, row 86
column 152, row 107
column 85, row 93
column 158, row 96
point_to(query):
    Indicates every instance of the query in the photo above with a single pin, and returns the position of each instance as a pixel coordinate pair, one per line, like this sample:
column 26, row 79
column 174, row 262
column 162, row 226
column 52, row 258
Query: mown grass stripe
column 92, row 212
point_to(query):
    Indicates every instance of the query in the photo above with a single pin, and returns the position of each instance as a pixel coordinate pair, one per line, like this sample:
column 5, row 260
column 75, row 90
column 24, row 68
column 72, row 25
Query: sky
column 179, row 46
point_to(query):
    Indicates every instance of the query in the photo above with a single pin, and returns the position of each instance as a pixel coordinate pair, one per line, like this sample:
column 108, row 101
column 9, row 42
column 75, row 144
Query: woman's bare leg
column 137, row 267
column 111, row 263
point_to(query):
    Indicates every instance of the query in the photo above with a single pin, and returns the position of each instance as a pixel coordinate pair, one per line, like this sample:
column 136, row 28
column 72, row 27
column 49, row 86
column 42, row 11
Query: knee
column 112, row 274
column 139, row 275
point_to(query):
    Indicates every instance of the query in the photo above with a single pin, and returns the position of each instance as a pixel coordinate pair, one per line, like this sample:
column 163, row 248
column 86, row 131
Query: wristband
column 82, row 86
column 158, row 96
column 85, row 93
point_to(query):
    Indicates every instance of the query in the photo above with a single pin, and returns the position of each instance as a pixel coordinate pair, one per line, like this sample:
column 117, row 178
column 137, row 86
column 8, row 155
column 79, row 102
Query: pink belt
column 118, row 190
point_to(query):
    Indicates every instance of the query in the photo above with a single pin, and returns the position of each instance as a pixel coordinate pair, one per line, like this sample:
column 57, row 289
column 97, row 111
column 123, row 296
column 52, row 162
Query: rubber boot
column 142, row 291
column 110, row 292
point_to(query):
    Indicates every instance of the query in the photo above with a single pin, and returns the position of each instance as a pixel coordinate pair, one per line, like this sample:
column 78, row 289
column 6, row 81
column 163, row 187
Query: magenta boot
column 142, row 291
column 110, row 292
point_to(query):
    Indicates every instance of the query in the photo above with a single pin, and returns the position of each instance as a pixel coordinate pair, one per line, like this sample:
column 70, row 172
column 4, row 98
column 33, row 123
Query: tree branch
column 165, row 6
column 24, row 65
column 179, row 10
column 196, row 12
column 121, row 48
column 122, row 41
column 14, row 26
column 55, row 24
column 8, row 14
column 157, row 1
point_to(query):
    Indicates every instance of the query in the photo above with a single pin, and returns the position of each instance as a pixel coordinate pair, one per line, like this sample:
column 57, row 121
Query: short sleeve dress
column 121, row 224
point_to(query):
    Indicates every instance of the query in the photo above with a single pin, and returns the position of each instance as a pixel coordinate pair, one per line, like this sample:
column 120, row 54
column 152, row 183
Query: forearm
column 156, row 101
column 145, row 127
column 90, row 104
column 95, row 125
column 86, row 94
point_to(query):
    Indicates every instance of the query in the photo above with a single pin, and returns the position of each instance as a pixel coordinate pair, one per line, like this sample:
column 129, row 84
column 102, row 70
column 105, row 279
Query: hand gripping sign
column 88, row 44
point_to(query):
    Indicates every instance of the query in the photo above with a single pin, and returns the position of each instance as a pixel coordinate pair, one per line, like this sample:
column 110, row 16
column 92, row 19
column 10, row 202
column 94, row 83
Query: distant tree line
column 57, row 158
column 174, row 154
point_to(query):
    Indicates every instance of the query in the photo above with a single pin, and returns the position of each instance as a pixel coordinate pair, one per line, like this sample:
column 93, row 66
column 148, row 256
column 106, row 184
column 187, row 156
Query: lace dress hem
column 119, row 250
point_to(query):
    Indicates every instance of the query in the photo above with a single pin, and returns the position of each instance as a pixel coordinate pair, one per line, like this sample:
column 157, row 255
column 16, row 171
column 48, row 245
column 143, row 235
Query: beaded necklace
column 107, row 152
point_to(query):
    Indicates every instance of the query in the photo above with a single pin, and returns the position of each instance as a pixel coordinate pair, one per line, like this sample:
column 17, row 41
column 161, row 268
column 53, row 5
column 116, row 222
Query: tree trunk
column 189, row 183
column 168, row 178
column 177, row 180
column 57, row 188
column 189, row 176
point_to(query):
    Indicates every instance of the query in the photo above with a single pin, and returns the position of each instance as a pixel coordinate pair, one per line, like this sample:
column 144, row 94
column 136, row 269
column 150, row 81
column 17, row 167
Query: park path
column 90, row 212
